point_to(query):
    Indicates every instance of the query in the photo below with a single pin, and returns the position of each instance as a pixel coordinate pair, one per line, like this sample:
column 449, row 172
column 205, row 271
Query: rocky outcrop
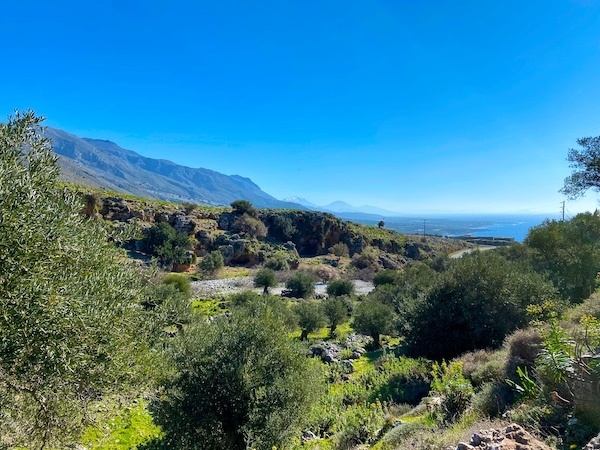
column 513, row 437
column 594, row 444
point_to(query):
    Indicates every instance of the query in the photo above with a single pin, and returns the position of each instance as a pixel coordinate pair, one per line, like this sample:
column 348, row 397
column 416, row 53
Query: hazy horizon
column 434, row 108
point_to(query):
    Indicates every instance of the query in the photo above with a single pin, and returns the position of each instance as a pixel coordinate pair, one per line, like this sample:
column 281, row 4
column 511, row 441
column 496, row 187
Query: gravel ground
column 213, row 288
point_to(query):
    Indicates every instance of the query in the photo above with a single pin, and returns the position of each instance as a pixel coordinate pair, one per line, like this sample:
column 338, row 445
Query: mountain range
column 342, row 208
column 104, row 164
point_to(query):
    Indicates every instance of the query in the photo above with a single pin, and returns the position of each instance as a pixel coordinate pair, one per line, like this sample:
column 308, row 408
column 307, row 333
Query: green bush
column 180, row 282
column 170, row 247
column 340, row 250
column 401, row 380
column 336, row 312
column 454, row 390
column 240, row 383
column 265, row 278
column 243, row 207
column 300, row 285
column 310, row 318
column 476, row 303
column 71, row 328
column 212, row 262
column 249, row 226
column 374, row 318
column 277, row 262
column 386, row 276
column 338, row 288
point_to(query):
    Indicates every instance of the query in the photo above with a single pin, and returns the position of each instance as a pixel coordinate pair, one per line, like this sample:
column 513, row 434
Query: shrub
column 340, row 250
column 243, row 207
column 162, row 241
column 71, row 328
column 265, row 278
column 374, row 318
column 478, row 301
column 454, row 390
column 277, row 262
column 282, row 228
column 310, row 318
column 249, row 226
column 336, row 312
column 386, row 276
column 240, row 383
column 339, row 288
column 492, row 399
column 180, row 282
column 212, row 262
column 243, row 298
column 325, row 273
column 483, row 366
column 522, row 347
column 300, row 285
column 367, row 259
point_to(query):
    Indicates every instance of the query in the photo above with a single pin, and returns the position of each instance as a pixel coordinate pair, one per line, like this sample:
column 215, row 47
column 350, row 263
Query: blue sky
column 428, row 106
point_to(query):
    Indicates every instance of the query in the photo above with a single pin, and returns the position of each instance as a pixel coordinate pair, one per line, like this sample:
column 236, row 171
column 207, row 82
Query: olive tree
column 241, row 382
column 265, row 278
column 374, row 318
column 69, row 302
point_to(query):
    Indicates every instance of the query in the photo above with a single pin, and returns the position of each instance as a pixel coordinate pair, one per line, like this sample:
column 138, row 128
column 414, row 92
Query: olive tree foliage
column 265, row 278
column 374, row 318
column 300, row 285
column 69, row 303
column 569, row 253
column 241, row 382
column 475, row 304
column 169, row 246
column 335, row 309
column 310, row 318
column 586, row 165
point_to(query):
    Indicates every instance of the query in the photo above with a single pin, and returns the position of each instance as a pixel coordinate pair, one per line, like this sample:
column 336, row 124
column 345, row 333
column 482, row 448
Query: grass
column 128, row 427
column 209, row 307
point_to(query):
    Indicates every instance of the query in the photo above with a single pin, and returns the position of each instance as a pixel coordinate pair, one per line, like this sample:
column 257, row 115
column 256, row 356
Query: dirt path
column 481, row 248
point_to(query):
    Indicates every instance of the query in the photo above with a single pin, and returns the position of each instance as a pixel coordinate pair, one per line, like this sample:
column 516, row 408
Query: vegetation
column 586, row 165
column 84, row 336
column 310, row 318
column 212, row 262
column 300, row 285
column 243, row 207
column 338, row 288
column 265, row 278
column 336, row 312
column 71, row 330
column 476, row 303
column 240, row 383
column 374, row 318
column 169, row 246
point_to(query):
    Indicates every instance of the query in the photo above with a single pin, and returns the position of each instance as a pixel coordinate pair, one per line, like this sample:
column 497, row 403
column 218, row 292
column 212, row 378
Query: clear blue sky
column 413, row 106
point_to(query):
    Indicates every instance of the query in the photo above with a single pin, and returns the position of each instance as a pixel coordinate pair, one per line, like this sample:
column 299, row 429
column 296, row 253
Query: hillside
column 300, row 234
column 104, row 164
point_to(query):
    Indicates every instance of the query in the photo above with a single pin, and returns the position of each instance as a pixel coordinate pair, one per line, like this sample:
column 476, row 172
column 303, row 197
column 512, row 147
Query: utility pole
column 424, row 225
column 563, row 211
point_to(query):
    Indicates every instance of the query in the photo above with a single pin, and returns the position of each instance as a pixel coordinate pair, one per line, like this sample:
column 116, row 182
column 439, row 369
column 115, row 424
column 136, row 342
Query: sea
column 514, row 226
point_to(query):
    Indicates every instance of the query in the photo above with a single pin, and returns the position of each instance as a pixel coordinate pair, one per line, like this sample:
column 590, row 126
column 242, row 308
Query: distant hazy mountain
column 343, row 207
column 301, row 201
column 345, row 210
column 104, row 164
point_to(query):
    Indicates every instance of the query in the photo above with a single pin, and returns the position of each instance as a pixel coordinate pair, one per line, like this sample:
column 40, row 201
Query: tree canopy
column 70, row 317
column 241, row 382
column 586, row 165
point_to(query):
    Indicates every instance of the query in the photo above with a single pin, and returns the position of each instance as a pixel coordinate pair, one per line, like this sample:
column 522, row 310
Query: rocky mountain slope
column 103, row 164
